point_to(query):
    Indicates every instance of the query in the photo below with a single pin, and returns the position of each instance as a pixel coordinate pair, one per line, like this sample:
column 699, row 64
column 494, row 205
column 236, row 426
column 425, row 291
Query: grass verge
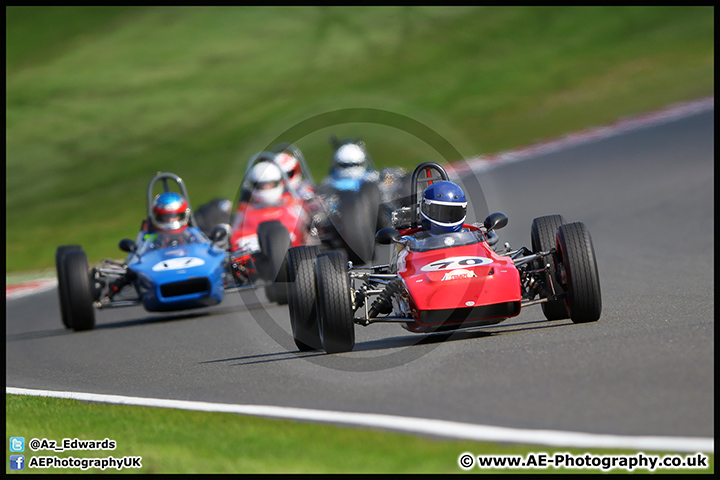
column 180, row 441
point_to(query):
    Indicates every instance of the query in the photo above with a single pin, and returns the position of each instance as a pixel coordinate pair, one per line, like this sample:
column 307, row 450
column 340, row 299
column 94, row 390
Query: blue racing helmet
column 443, row 207
column 170, row 212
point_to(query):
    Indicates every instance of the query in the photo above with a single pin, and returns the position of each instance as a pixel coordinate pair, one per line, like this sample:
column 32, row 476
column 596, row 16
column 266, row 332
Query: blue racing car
column 172, row 265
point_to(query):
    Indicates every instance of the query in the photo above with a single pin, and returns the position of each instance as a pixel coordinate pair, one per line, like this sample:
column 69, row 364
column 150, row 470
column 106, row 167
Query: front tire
column 542, row 237
column 274, row 241
column 301, row 297
column 332, row 282
column 62, row 284
column 576, row 249
column 78, row 285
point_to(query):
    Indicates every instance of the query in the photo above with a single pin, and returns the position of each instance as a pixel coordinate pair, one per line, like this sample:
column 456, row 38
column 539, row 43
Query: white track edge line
column 442, row 428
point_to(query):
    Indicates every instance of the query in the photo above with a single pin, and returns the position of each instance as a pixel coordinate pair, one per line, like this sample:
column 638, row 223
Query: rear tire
column 332, row 282
column 79, row 299
column 582, row 298
column 356, row 226
column 301, row 297
column 542, row 236
column 274, row 241
column 215, row 212
column 62, row 284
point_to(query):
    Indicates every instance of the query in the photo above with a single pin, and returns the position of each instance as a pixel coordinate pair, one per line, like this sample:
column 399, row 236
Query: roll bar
column 164, row 177
column 429, row 169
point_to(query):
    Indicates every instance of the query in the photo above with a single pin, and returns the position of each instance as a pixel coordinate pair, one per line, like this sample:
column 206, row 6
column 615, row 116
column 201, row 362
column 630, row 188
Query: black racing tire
column 332, row 283
column 542, row 237
column 370, row 195
column 213, row 213
column 302, row 305
column 79, row 289
column 576, row 249
column 274, row 241
column 356, row 227
column 62, row 284
column 405, row 191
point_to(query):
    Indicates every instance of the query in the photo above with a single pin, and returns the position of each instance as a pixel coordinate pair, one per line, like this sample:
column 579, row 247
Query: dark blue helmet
column 443, row 207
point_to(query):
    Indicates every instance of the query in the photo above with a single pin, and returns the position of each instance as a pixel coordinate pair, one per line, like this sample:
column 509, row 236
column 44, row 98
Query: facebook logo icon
column 17, row 444
column 17, row 462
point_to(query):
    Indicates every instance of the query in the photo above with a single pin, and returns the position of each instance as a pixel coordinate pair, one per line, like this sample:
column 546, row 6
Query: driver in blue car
column 168, row 228
column 170, row 218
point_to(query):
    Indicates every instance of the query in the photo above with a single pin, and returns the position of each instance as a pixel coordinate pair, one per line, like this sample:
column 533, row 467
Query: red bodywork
column 458, row 287
column 292, row 213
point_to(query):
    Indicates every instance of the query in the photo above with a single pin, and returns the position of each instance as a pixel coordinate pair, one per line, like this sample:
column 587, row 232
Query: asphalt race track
column 645, row 368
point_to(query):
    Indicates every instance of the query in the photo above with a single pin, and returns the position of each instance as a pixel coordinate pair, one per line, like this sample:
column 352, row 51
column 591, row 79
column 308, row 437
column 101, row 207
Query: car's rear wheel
column 542, row 237
column 301, row 297
column 579, row 270
column 332, row 282
column 215, row 212
column 357, row 225
column 78, row 287
column 62, row 284
column 274, row 241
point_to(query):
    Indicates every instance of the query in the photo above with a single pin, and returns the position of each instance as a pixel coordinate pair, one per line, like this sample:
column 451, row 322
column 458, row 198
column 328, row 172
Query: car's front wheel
column 274, row 241
column 542, row 237
column 62, row 284
column 332, row 282
column 78, row 289
column 579, row 272
column 302, row 305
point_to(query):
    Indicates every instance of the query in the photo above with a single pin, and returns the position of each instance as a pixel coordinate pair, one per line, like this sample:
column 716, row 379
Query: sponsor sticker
column 460, row 273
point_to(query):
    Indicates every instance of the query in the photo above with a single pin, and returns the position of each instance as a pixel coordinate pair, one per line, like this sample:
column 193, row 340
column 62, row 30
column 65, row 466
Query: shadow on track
column 147, row 320
column 390, row 343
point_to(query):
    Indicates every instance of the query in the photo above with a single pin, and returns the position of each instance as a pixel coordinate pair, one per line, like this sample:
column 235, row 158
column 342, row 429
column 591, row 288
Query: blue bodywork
column 171, row 273
column 339, row 182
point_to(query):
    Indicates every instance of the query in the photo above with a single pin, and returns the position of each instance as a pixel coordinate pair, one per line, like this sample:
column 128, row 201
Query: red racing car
column 442, row 282
column 274, row 213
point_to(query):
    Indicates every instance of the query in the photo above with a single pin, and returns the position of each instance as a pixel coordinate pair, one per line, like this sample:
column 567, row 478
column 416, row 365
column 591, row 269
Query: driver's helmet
column 443, row 207
column 265, row 182
column 291, row 166
column 170, row 212
column 350, row 161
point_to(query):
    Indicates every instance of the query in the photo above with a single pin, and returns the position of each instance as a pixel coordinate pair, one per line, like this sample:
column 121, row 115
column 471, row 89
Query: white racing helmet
column 350, row 161
column 265, row 182
column 291, row 166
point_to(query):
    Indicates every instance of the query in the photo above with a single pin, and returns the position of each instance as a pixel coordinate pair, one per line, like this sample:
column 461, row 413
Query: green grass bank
column 101, row 98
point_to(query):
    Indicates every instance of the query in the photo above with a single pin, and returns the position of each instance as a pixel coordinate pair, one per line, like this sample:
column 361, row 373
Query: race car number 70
column 455, row 262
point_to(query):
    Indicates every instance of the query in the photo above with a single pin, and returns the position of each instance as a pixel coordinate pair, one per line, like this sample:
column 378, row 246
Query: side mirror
column 495, row 221
column 386, row 236
column 127, row 245
column 220, row 232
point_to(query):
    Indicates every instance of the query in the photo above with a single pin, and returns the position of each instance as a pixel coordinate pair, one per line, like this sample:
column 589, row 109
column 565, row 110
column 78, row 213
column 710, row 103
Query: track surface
column 645, row 368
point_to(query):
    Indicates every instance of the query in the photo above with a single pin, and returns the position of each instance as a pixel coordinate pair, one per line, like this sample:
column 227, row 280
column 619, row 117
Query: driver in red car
column 263, row 187
column 443, row 209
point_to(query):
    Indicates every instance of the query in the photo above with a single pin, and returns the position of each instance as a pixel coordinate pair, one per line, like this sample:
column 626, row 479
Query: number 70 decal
column 456, row 262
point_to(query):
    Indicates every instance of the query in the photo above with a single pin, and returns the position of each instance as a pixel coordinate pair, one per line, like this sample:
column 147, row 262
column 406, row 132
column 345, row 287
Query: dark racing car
column 357, row 200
